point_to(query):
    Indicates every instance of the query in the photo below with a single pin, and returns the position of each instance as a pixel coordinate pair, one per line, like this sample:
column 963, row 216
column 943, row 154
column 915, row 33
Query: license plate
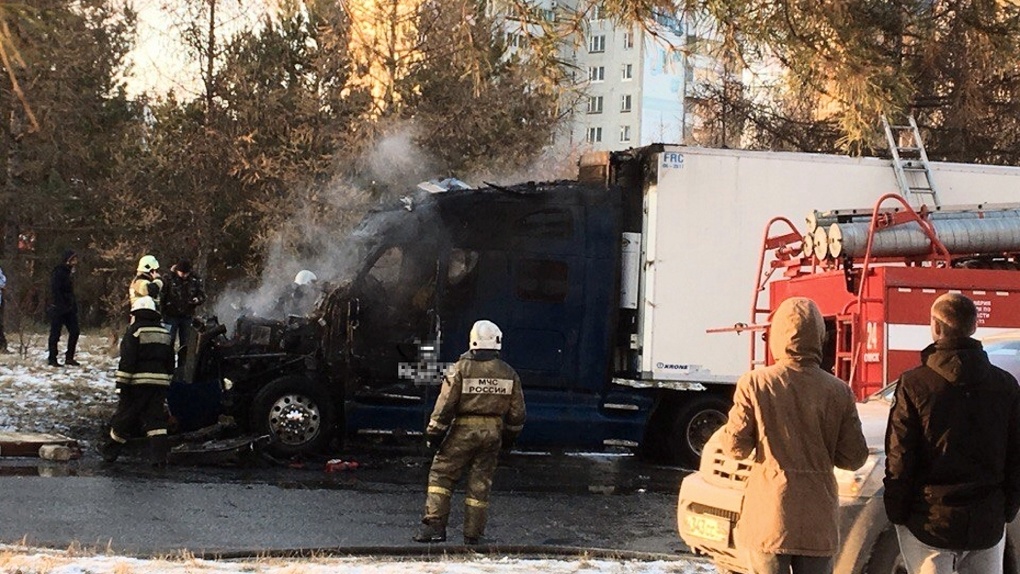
column 708, row 527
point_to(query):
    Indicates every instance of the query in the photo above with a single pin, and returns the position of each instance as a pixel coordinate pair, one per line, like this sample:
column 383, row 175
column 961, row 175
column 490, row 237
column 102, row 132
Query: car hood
column 874, row 416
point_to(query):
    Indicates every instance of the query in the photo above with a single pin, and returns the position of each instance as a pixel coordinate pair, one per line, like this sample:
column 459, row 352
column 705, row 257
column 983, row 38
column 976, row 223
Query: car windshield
column 884, row 395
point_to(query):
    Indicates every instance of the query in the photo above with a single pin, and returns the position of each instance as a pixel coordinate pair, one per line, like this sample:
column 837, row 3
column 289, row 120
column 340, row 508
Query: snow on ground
column 38, row 561
column 73, row 401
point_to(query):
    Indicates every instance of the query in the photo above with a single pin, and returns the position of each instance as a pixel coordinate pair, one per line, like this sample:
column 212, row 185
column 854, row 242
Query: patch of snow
column 35, row 560
column 35, row 397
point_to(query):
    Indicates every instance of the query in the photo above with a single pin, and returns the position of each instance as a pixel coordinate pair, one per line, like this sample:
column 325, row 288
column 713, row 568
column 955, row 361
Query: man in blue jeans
column 183, row 293
column 952, row 476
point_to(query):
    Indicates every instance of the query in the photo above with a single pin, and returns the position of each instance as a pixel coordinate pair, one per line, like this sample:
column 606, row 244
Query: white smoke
column 317, row 235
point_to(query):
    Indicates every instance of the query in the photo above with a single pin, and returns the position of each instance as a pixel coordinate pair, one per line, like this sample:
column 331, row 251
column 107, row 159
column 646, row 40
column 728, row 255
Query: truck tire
column 885, row 556
column 295, row 413
column 693, row 425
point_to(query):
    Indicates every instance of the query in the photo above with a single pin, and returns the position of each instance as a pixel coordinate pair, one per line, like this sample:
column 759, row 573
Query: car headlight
column 864, row 480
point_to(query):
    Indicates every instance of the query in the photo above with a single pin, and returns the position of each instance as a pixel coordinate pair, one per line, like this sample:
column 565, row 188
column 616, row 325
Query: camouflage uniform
column 481, row 405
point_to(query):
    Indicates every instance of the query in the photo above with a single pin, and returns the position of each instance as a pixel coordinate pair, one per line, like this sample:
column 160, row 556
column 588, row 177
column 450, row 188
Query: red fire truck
column 875, row 273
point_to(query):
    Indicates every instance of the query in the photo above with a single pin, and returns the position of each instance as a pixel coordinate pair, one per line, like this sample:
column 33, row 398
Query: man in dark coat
column 183, row 293
column 143, row 377
column 3, row 337
column 64, row 310
column 952, row 478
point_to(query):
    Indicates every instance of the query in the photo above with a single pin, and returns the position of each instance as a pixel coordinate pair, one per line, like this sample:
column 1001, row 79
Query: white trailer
column 704, row 215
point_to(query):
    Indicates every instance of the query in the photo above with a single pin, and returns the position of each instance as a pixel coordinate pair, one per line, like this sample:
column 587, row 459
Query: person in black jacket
column 952, row 478
column 64, row 310
column 143, row 377
column 182, row 294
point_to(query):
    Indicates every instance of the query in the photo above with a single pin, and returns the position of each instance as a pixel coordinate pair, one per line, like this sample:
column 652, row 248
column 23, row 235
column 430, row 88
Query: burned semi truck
column 604, row 288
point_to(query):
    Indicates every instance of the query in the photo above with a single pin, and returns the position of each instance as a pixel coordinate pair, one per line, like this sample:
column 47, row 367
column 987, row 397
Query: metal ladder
column 909, row 157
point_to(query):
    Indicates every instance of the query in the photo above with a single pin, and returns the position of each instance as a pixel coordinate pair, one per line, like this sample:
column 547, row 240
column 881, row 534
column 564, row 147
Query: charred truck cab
column 558, row 266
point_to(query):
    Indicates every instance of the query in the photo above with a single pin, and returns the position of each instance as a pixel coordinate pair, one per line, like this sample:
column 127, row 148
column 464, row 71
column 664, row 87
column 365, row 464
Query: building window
column 597, row 43
column 598, row 12
column 628, row 72
column 596, row 73
column 625, row 133
column 594, row 135
column 594, row 104
column 625, row 103
column 628, row 40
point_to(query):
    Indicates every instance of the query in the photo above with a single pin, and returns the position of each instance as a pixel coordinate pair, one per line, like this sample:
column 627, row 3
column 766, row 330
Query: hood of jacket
column 957, row 360
column 797, row 332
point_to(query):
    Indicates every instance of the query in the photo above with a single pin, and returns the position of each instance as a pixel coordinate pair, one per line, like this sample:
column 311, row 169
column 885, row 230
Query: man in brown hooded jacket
column 799, row 421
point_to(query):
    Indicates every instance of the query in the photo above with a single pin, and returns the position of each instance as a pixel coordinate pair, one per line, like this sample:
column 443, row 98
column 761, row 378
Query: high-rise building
column 635, row 85
column 632, row 80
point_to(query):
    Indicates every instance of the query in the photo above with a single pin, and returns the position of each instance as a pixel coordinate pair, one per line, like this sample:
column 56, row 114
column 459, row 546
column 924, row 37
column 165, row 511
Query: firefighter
column 143, row 376
column 302, row 295
column 147, row 282
column 480, row 409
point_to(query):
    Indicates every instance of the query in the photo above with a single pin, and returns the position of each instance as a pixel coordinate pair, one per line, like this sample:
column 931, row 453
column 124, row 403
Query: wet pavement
column 603, row 501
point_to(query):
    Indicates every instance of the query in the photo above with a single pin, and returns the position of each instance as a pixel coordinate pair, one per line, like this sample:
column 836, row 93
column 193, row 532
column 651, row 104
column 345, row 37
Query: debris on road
column 339, row 465
column 35, row 444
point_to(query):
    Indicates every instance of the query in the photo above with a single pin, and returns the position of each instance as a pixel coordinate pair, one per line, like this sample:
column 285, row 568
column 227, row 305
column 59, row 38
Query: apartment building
column 632, row 84
column 635, row 85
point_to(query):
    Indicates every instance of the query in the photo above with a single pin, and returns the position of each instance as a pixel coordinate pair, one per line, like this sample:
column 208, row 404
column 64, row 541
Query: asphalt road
column 596, row 501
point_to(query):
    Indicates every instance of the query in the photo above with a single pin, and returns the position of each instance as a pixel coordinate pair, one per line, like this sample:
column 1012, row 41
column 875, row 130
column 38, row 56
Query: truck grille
column 702, row 509
column 728, row 469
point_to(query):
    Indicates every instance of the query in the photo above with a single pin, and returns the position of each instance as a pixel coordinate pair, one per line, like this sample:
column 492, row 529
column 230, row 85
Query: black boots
column 430, row 533
column 159, row 448
column 110, row 450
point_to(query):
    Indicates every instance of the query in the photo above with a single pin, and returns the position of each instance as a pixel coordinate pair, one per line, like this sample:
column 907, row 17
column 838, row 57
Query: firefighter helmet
column 143, row 304
column 147, row 264
column 304, row 277
column 486, row 335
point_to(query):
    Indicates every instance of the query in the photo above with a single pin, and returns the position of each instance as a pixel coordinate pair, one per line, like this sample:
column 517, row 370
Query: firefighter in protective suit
column 143, row 377
column 147, row 282
column 480, row 409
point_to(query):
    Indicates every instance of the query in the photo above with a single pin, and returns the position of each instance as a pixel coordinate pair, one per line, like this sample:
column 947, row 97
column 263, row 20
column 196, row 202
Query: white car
column 711, row 498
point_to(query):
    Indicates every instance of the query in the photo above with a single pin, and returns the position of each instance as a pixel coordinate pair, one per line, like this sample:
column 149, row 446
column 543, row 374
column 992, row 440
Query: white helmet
column 147, row 264
column 486, row 335
column 141, row 303
column 304, row 277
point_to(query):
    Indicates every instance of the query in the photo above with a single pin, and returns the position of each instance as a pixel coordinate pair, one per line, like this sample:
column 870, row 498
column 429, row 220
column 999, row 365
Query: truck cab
column 543, row 261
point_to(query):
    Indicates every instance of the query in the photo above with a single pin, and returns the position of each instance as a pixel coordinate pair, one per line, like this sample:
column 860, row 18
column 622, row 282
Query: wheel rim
column 701, row 428
column 294, row 419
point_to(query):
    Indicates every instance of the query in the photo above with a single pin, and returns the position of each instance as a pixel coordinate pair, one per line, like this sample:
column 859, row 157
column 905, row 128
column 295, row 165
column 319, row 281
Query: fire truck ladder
column 909, row 157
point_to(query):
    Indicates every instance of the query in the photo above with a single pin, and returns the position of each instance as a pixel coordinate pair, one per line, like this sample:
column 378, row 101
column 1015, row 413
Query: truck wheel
column 694, row 424
column 295, row 413
column 885, row 557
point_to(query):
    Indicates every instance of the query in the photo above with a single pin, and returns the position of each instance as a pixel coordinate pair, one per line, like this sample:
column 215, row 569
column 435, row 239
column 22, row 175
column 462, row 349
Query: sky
column 160, row 58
